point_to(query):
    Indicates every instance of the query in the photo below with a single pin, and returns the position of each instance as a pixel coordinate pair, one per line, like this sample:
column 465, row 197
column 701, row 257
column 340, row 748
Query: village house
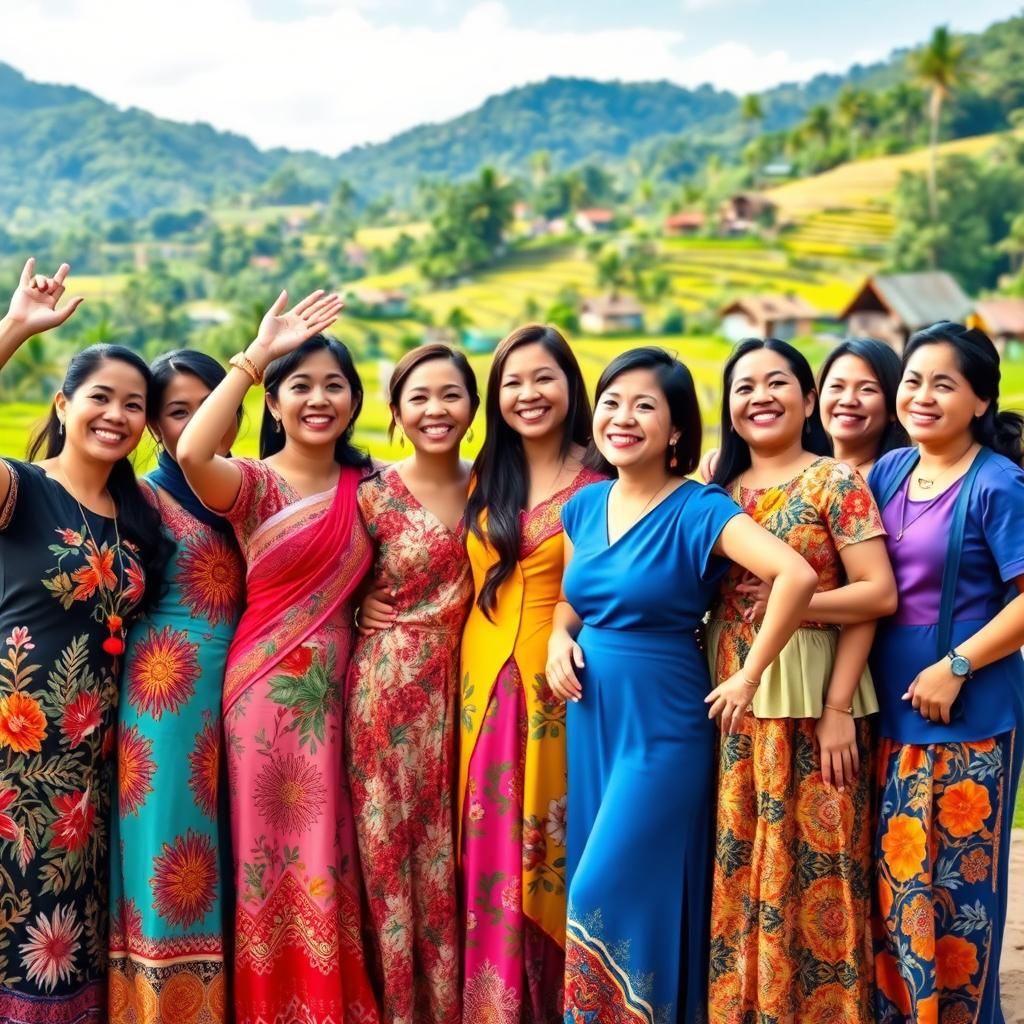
column 891, row 307
column 594, row 220
column 745, row 212
column 689, row 222
column 611, row 314
column 382, row 302
column 1002, row 319
column 357, row 255
column 767, row 316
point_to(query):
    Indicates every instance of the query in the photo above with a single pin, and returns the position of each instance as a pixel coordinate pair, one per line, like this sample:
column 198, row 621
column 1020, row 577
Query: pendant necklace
column 114, row 644
column 648, row 505
column 925, row 484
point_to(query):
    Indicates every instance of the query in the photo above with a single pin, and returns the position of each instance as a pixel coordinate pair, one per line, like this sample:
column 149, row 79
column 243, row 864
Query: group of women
column 564, row 735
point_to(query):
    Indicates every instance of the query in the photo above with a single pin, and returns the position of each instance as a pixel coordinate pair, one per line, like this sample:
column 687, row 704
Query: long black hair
column 184, row 360
column 978, row 358
column 137, row 520
column 676, row 382
column 500, row 470
column 885, row 365
column 272, row 438
column 734, row 455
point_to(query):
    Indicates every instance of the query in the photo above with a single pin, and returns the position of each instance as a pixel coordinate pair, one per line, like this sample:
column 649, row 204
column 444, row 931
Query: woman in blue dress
column 170, row 849
column 644, row 555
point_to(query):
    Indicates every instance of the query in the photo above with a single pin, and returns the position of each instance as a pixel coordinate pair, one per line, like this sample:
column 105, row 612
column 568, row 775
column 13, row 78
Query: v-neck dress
column 400, row 742
column 641, row 756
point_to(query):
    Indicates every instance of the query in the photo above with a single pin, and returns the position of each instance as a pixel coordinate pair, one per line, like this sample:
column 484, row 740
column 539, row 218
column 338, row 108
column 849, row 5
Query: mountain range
column 64, row 151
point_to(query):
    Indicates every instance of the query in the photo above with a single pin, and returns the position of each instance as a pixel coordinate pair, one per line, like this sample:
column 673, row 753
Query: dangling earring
column 277, row 425
column 60, row 426
column 674, row 461
column 469, row 436
column 401, row 440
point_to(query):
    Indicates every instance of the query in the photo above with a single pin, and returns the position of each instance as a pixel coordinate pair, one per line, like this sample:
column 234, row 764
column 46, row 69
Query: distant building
column 1003, row 321
column 690, row 222
column 357, row 255
column 767, row 316
column 263, row 262
column 383, row 302
column 594, row 220
column 205, row 314
column 891, row 307
column 745, row 212
column 611, row 314
column 477, row 341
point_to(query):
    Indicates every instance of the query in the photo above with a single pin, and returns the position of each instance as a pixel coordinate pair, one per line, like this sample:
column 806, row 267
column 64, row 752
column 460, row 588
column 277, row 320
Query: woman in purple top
column 950, row 682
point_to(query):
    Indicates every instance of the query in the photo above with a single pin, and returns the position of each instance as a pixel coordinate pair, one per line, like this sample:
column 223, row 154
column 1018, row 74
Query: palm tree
column 852, row 109
column 940, row 66
column 818, row 124
column 752, row 111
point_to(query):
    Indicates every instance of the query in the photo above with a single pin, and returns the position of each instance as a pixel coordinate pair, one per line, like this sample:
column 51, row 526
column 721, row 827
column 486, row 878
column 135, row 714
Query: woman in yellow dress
column 512, row 773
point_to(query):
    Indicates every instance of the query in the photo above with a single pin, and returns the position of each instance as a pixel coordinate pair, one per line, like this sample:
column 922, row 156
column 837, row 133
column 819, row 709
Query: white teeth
column 532, row 414
column 108, row 435
column 437, row 431
column 317, row 421
column 765, row 417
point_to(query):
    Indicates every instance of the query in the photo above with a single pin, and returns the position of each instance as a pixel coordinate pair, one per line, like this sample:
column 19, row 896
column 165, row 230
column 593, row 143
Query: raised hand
column 33, row 304
column 282, row 332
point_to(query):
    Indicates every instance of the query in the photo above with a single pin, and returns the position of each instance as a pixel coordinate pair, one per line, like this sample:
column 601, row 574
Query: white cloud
column 340, row 75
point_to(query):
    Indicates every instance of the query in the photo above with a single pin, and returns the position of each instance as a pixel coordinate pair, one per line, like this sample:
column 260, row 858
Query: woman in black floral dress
column 80, row 552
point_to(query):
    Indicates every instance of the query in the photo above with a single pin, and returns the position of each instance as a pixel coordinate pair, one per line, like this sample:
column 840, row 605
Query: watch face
column 960, row 666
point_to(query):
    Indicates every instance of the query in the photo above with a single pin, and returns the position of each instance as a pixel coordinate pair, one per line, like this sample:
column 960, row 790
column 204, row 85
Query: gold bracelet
column 842, row 711
column 750, row 682
column 240, row 361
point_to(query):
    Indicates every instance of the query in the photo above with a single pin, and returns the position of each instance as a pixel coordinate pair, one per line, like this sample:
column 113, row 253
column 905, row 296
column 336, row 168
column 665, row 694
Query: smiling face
column 632, row 422
column 183, row 395
column 766, row 405
column 434, row 409
column 534, row 395
column 853, row 404
column 315, row 402
column 105, row 418
column 935, row 403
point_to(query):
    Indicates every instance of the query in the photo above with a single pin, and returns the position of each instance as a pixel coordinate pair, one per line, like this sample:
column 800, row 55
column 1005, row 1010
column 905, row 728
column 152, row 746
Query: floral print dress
column 790, row 907
column 171, row 850
column 400, row 742
column 60, row 580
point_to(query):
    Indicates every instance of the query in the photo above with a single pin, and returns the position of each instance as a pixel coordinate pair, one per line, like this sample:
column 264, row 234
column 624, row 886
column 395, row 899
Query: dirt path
column 1012, row 973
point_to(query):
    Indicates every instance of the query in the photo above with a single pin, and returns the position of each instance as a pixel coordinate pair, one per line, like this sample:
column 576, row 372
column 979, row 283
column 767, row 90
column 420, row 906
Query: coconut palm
column 940, row 66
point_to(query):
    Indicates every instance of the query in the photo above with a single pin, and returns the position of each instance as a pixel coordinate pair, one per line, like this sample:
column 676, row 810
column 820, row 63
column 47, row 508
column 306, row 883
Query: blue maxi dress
column 641, row 755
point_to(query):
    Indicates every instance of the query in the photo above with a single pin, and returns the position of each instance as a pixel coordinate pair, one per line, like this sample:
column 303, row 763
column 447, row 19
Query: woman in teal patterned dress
column 170, row 837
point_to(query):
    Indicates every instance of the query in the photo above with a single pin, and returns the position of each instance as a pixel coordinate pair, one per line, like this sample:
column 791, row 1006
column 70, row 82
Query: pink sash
column 296, row 585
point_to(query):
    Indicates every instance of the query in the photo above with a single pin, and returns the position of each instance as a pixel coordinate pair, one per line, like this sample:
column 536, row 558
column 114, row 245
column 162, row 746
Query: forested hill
column 63, row 150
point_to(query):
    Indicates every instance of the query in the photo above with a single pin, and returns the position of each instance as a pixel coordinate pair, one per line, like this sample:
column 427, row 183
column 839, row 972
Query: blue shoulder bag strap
column 953, row 552
column 908, row 459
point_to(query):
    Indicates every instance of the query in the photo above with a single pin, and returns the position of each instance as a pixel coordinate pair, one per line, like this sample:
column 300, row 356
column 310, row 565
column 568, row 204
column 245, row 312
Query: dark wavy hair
column 426, row 354
column 500, row 469
column 272, row 439
column 885, row 365
column 978, row 358
column 137, row 520
column 184, row 360
column 734, row 455
column 676, row 382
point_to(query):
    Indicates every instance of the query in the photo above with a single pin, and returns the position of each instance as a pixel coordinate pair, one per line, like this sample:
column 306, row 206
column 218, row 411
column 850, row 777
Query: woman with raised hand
column 791, row 899
column 512, row 788
column 298, row 952
column 80, row 555
column 400, row 714
column 950, row 683
column 857, row 386
column 167, row 942
column 644, row 554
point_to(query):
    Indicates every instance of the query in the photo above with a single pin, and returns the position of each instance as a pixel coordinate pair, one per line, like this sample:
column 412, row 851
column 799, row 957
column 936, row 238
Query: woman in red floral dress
column 402, row 683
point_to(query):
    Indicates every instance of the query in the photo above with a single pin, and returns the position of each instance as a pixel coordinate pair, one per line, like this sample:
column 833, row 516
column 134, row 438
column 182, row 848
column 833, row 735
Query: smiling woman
column 80, row 552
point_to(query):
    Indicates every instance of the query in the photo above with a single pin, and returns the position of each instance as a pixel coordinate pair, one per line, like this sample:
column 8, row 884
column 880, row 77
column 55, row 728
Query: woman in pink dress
column 298, row 951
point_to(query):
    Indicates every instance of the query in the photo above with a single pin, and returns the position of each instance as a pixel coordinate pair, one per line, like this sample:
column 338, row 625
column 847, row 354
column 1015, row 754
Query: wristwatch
column 959, row 665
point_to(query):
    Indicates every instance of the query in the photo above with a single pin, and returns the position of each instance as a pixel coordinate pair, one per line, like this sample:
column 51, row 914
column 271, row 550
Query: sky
column 330, row 74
